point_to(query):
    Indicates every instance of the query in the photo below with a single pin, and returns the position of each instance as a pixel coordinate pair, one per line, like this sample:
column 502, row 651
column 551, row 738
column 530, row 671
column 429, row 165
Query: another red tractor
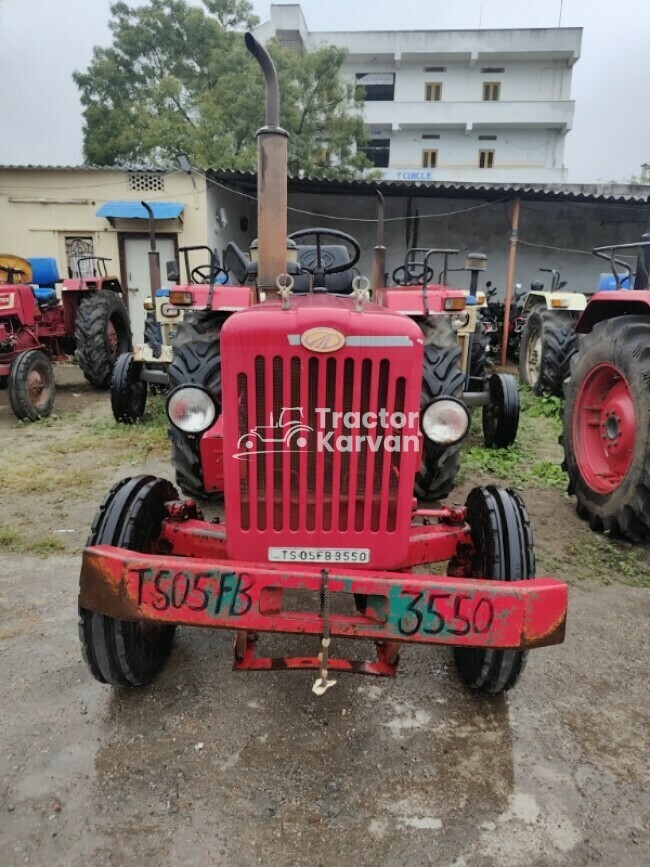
column 607, row 412
column 322, row 535
column 39, row 325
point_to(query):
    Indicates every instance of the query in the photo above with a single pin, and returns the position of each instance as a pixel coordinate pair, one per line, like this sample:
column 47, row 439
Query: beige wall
column 39, row 208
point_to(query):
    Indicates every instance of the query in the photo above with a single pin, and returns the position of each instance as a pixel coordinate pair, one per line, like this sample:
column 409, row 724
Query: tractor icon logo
column 289, row 431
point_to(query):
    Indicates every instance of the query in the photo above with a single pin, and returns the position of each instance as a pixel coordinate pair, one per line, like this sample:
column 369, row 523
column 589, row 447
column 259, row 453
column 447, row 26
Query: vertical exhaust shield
column 271, row 178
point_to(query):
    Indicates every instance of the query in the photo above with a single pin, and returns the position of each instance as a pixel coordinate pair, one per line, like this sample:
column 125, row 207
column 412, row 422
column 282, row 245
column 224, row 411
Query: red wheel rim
column 37, row 388
column 111, row 338
column 604, row 428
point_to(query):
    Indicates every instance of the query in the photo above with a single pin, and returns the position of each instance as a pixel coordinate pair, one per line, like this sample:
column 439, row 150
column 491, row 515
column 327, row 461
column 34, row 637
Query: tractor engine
column 321, row 431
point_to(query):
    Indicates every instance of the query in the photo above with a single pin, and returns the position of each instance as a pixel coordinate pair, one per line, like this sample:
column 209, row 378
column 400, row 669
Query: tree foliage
column 178, row 79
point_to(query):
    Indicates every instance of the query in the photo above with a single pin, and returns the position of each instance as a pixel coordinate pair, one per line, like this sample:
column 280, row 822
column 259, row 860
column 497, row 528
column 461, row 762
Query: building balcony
column 471, row 115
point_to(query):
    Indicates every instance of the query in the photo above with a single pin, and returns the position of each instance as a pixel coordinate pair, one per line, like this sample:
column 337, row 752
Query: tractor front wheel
column 441, row 376
column 127, row 653
column 607, row 427
column 31, row 385
column 503, row 551
column 501, row 415
column 128, row 390
column 102, row 334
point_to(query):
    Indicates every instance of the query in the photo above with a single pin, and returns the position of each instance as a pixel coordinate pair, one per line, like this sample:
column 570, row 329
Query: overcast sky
column 43, row 41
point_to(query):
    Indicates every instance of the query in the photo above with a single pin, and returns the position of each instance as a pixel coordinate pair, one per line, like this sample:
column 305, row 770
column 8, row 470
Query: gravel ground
column 210, row 766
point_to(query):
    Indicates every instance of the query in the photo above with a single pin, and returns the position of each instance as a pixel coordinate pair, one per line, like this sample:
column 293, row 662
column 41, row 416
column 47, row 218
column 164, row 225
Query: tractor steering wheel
column 408, row 276
column 320, row 264
column 203, row 272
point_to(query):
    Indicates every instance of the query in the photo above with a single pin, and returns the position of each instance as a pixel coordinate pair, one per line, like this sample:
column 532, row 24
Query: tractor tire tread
column 439, row 467
column 625, row 340
column 114, row 650
column 92, row 353
column 498, row 518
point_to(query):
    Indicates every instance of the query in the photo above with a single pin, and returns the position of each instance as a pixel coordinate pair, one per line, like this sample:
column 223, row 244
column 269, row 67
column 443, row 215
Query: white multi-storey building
column 455, row 105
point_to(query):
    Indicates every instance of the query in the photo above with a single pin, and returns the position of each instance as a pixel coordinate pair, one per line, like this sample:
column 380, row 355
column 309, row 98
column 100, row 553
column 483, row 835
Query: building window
column 487, row 138
column 429, row 159
column 377, row 151
column 435, row 68
column 324, row 158
column 486, row 159
column 492, row 70
column 377, row 86
column 147, row 182
column 430, row 135
column 433, row 91
column 491, row 91
column 76, row 249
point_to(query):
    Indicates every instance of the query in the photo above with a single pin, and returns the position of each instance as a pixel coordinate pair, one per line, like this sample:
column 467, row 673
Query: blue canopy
column 135, row 211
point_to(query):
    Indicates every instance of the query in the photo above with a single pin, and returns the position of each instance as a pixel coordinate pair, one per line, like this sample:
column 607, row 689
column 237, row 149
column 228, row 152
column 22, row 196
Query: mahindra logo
column 322, row 339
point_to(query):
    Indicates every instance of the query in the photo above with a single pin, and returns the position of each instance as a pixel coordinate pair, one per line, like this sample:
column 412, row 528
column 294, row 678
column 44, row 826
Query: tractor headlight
column 445, row 421
column 191, row 409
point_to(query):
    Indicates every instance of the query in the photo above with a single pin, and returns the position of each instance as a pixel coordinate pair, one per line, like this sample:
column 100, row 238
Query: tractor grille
column 293, row 481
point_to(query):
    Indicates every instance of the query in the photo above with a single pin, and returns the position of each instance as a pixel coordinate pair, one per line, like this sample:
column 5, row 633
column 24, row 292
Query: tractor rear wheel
column 196, row 362
column 548, row 342
column 607, row 427
column 503, row 551
column 501, row 415
column 439, row 465
column 128, row 391
column 31, row 385
column 102, row 334
column 122, row 652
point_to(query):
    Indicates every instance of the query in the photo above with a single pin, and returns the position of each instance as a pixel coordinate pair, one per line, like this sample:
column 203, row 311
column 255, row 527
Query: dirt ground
column 210, row 766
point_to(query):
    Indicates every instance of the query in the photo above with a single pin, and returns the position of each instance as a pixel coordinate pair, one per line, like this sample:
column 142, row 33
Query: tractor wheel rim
column 604, row 428
column 37, row 388
column 533, row 356
column 111, row 339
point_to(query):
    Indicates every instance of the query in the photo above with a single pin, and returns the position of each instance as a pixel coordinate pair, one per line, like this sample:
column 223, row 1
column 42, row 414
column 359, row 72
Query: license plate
column 319, row 555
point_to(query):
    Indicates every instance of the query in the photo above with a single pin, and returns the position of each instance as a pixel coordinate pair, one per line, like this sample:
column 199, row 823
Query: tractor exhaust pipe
column 271, row 178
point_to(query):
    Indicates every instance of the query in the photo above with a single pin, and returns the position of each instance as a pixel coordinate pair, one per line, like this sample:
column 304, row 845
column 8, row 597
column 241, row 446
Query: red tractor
column 322, row 536
column 607, row 412
column 39, row 325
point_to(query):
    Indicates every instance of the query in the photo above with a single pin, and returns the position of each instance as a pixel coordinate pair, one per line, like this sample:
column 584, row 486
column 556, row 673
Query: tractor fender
column 556, row 301
column 608, row 305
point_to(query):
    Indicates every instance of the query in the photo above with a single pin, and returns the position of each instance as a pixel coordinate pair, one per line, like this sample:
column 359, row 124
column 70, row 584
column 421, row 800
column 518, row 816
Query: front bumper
column 253, row 598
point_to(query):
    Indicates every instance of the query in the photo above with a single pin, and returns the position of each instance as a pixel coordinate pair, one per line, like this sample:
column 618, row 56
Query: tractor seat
column 44, row 295
column 332, row 255
column 237, row 263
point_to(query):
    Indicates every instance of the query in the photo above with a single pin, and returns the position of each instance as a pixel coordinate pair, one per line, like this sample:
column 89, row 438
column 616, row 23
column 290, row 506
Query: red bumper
column 428, row 609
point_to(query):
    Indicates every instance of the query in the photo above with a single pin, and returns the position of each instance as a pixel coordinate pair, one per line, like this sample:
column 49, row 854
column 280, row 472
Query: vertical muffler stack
column 271, row 178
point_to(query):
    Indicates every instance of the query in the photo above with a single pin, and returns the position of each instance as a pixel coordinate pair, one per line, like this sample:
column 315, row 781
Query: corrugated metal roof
column 587, row 193
column 84, row 168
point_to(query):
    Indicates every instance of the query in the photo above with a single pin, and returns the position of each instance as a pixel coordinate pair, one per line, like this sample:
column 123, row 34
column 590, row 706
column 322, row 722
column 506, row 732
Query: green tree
column 178, row 79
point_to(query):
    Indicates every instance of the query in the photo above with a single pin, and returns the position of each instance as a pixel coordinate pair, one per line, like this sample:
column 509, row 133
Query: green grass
column 13, row 541
column 608, row 559
column 9, row 538
column 148, row 434
column 527, row 462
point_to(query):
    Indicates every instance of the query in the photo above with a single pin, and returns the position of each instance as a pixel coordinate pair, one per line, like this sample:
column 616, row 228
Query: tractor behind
column 313, row 424
column 41, row 322
column 148, row 365
column 548, row 339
